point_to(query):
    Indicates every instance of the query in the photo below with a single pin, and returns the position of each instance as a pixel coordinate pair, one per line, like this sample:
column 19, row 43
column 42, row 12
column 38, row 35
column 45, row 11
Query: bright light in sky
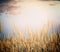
column 33, row 15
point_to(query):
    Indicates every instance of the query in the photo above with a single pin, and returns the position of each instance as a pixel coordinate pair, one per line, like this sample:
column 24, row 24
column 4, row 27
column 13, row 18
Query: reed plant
column 37, row 42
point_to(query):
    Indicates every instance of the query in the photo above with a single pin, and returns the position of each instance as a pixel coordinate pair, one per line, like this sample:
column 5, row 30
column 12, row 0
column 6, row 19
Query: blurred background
column 24, row 14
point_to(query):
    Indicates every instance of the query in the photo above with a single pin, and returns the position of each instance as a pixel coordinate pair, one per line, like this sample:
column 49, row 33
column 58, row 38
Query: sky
column 25, row 14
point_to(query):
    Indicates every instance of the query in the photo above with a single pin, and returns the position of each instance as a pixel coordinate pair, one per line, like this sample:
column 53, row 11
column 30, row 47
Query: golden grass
column 36, row 43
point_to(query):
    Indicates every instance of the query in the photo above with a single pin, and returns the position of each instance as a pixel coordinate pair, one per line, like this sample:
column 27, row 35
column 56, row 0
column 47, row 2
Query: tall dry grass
column 37, row 42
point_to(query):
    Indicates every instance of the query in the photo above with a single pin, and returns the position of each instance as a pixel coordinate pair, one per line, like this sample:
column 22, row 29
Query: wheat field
column 37, row 42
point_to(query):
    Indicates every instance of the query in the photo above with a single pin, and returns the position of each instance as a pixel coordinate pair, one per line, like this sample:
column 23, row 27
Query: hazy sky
column 12, row 5
column 23, row 14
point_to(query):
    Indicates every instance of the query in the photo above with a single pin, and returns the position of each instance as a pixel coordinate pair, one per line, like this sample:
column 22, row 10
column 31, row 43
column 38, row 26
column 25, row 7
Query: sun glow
column 32, row 16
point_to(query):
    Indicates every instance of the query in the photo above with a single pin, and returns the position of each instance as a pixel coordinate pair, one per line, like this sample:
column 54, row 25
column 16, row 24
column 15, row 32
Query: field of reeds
column 37, row 42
